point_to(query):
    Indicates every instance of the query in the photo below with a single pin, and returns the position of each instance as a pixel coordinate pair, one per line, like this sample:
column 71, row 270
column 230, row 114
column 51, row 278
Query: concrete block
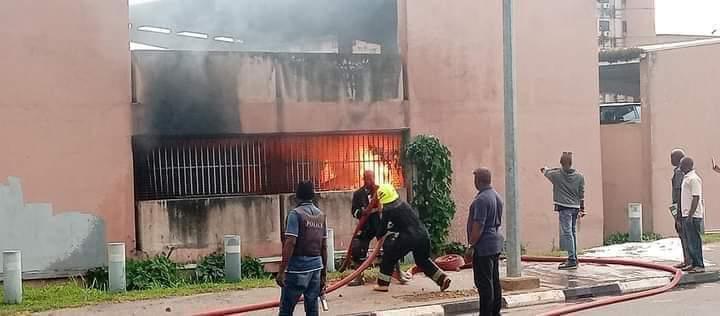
column 642, row 285
column 431, row 310
column 462, row 307
column 535, row 298
column 520, row 283
column 592, row 291
column 705, row 277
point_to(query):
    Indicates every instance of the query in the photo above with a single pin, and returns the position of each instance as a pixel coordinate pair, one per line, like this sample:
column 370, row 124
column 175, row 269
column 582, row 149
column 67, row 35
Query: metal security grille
column 174, row 167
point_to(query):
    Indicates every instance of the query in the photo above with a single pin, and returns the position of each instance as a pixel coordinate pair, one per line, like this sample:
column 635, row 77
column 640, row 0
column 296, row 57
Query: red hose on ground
column 276, row 303
column 677, row 275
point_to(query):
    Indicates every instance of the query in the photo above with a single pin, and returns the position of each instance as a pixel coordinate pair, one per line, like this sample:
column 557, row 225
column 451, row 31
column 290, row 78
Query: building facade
column 81, row 111
column 625, row 23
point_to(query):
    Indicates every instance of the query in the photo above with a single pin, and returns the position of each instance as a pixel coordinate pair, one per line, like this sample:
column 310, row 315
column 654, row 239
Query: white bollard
column 116, row 267
column 635, row 221
column 12, row 269
column 330, row 250
column 233, row 258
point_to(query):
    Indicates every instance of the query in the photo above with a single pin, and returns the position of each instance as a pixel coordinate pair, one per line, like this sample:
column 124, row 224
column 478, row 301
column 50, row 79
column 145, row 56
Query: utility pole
column 514, row 265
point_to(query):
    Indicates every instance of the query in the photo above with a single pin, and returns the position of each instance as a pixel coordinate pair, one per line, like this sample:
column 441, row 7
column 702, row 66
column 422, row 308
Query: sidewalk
column 421, row 291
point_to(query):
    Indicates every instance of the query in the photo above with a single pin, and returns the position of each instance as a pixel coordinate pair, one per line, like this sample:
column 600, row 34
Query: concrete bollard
column 116, row 267
column 635, row 221
column 12, row 269
column 330, row 250
column 233, row 258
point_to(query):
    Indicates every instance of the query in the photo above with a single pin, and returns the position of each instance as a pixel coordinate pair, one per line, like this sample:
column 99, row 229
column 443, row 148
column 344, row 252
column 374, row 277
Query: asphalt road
column 701, row 299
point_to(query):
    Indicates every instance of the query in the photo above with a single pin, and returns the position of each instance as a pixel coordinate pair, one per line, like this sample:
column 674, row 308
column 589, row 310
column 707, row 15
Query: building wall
column 65, row 122
column 456, row 93
column 683, row 112
column 557, row 111
column 640, row 17
column 626, row 176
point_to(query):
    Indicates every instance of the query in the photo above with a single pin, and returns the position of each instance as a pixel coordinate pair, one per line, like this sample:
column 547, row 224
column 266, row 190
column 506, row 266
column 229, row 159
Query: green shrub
column 621, row 238
column 211, row 268
column 432, row 186
column 454, row 248
column 156, row 272
column 252, row 268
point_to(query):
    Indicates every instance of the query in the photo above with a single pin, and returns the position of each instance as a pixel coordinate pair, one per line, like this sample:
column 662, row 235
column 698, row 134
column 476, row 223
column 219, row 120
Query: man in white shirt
column 693, row 211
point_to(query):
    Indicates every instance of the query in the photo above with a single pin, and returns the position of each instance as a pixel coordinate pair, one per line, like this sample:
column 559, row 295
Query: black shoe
column 568, row 266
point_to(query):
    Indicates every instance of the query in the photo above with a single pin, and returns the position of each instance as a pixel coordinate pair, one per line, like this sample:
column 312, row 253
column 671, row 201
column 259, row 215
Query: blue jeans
column 296, row 284
column 568, row 232
column 693, row 230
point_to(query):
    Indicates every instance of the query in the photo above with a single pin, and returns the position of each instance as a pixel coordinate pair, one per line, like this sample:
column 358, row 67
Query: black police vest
column 311, row 233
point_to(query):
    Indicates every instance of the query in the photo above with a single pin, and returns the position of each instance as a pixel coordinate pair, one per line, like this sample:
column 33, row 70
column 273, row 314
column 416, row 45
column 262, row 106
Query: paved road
column 701, row 299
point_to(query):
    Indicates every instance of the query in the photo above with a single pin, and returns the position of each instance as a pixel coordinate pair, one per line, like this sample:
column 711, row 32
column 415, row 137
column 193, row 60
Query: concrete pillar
column 12, row 269
column 116, row 267
column 330, row 250
column 635, row 221
column 233, row 258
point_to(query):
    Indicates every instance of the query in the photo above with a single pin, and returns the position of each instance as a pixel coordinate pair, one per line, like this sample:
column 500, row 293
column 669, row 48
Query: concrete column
column 233, row 258
column 116, row 267
column 12, row 269
column 635, row 221
column 330, row 250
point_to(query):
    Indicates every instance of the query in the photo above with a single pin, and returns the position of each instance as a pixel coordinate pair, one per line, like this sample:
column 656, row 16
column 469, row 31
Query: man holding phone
column 569, row 201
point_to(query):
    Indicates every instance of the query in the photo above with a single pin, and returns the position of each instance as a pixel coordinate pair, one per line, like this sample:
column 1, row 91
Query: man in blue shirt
column 304, row 255
column 486, row 242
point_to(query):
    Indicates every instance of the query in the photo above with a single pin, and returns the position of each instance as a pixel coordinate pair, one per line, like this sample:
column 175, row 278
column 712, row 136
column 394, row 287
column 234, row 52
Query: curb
column 553, row 296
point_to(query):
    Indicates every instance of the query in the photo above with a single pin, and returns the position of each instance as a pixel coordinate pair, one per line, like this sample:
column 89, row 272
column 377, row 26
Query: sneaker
column 697, row 270
column 568, row 266
column 445, row 284
column 680, row 265
column 381, row 288
column 687, row 268
column 359, row 281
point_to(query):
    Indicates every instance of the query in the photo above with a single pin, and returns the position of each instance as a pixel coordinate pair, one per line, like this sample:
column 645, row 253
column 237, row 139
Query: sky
column 671, row 16
column 687, row 16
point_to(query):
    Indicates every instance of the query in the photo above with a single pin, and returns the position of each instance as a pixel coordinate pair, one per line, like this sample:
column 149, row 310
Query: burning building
column 205, row 134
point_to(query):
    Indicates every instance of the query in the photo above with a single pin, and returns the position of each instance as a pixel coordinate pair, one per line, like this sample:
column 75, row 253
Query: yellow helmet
column 387, row 194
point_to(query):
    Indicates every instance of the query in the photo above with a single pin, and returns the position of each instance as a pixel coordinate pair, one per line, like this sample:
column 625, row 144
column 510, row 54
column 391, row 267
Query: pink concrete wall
column 558, row 112
column 640, row 17
column 626, row 176
column 64, row 112
column 454, row 60
column 682, row 95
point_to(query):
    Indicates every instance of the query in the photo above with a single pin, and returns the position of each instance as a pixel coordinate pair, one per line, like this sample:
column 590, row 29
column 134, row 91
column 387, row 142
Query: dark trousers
column 397, row 246
column 487, row 280
column 693, row 229
column 679, row 223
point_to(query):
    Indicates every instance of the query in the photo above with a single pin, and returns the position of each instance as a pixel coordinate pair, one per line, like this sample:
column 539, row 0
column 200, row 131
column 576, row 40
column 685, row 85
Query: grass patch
column 74, row 294
column 709, row 238
column 621, row 238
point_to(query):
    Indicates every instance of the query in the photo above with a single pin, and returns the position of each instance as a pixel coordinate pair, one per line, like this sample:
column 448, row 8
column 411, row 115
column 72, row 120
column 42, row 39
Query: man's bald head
column 369, row 178
column 687, row 164
column 483, row 177
column 675, row 156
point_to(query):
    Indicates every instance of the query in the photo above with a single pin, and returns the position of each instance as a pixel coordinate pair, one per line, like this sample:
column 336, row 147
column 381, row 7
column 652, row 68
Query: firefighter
column 404, row 233
column 364, row 203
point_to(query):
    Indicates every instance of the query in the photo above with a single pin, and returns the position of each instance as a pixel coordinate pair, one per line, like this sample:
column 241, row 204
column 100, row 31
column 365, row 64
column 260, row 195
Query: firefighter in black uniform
column 404, row 233
column 361, row 201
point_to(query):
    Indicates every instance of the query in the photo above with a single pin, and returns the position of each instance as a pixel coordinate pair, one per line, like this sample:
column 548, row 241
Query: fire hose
column 456, row 263
column 271, row 304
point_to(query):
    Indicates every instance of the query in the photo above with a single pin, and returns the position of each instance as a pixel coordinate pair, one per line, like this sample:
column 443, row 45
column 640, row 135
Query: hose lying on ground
column 271, row 304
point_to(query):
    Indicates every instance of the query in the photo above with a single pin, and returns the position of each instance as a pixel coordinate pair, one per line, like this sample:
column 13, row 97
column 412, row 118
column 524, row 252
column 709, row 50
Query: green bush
column 156, row 272
column 432, row 186
column 621, row 238
column 211, row 268
column 454, row 248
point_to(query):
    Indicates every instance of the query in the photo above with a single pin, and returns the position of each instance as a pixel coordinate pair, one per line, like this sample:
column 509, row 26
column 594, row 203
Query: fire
column 370, row 161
